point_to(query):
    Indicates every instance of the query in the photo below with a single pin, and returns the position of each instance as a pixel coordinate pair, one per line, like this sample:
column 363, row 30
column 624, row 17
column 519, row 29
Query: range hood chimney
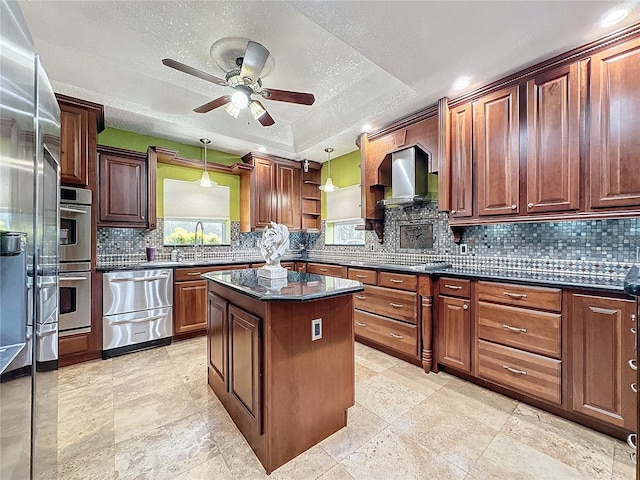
column 409, row 182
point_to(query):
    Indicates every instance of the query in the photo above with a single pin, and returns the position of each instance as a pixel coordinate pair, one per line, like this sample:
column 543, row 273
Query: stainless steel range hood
column 409, row 182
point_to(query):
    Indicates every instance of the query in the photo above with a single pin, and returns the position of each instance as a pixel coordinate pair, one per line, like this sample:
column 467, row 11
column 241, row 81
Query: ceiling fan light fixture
column 205, row 181
column 240, row 99
column 256, row 109
column 232, row 110
column 328, row 185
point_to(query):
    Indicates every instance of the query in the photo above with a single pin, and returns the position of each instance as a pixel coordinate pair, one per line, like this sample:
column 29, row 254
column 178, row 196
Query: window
column 343, row 216
column 187, row 203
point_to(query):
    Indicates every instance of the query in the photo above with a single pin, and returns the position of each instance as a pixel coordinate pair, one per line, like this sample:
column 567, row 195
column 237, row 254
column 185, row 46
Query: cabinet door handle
column 633, row 317
column 633, row 364
column 513, row 370
column 529, row 205
column 465, row 306
column 515, row 295
column 361, row 324
column 452, row 287
column 514, row 329
column 393, row 280
column 634, row 388
column 396, row 305
column 453, row 212
column 396, row 335
column 631, row 441
column 194, row 273
column 360, row 276
column 361, row 297
column 632, row 456
column 514, row 206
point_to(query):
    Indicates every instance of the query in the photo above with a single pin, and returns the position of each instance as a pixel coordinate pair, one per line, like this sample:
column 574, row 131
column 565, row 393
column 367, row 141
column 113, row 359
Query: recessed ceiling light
column 262, row 149
column 366, row 127
column 461, row 83
column 613, row 16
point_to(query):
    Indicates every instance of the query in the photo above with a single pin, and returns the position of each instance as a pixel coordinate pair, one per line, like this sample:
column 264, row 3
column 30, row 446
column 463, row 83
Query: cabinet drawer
column 193, row 273
column 323, row 269
column 535, row 297
column 456, row 287
column 398, row 280
column 369, row 277
column 397, row 335
column 537, row 332
column 526, row 372
column 388, row 302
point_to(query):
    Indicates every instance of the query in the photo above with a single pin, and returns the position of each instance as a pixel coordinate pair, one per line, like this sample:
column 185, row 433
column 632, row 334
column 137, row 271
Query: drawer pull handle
column 514, row 329
column 194, row 273
column 394, row 280
column 631, row 441
column 634, row 388
column 360, row 276
column 513, row 370
column 361, row 324
column 632, row 456
column 324, row 269
column 633, row 364
column 361, row 297
column 515, row 295
column 396, row 305
column 452, row 287
column 633, row 317
column 396, row 336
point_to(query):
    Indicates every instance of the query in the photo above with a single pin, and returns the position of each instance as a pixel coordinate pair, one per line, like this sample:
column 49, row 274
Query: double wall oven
column 75, row 261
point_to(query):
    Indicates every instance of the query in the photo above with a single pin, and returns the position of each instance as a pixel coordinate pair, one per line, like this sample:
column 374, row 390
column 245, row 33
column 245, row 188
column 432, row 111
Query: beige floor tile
column 192, row 346
column 152, row 410
column 167, row 451
column 455, row 434
column 99, row 465
column 83, row 401
column 623, row 466
column 392, row 455
column 145, row 381
column 386, row 398
column 86, row 433
column 338, row 472
column 362, row 426
column 373, row 359
column 202, row 395
column 213, row 469
column 590, row 452
column 363, row 373
column 508, row 459
column 125, row 365
column 85, row 374
column 310, row 464
column 413, row 377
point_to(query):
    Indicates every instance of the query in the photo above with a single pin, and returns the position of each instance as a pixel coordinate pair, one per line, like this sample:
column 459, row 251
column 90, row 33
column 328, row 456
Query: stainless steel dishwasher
column 136, row 310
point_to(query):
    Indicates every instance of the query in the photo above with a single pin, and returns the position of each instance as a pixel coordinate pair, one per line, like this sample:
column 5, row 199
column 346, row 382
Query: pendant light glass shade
column 328, row 185
column 205, row 181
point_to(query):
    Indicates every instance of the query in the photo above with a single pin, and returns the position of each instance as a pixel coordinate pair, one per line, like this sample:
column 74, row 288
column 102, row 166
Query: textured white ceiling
column 365, row 62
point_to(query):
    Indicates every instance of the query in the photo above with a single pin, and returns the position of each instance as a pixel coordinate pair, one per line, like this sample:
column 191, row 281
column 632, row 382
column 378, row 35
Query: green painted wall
column 345, row 171
column 134, row 141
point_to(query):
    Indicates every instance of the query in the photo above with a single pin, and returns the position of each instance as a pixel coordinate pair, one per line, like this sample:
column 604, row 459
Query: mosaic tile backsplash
column 589, row 247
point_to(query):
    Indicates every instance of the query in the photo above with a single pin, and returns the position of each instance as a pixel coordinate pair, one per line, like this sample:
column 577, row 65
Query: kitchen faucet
column 195, row 240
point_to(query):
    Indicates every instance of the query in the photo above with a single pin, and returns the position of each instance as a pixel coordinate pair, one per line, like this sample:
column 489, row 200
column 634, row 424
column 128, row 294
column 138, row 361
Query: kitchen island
column 280, row 357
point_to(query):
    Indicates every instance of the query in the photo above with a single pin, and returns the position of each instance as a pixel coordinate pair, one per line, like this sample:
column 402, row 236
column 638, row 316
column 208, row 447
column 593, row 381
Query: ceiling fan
column 243, row 76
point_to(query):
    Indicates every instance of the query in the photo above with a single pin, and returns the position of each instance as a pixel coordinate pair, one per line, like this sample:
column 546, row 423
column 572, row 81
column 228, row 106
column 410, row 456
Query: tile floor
column 151, row 415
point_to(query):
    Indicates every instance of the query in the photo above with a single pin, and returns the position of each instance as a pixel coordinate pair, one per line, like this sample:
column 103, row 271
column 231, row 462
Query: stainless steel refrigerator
column 29, row 237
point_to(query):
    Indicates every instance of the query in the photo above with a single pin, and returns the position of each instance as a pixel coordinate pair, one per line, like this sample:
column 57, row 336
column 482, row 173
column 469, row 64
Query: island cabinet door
column 217, row 343
column 245, row 364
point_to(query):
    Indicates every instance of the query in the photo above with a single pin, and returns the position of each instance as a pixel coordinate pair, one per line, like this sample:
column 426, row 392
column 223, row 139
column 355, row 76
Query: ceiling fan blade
column 193, row 71
column 255, row 58
column 213, row 104
column 265, row 119
column 287, row 96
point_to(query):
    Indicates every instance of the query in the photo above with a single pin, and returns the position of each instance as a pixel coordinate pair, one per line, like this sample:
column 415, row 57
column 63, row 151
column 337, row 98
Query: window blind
column 344, row 204
column 190, row 200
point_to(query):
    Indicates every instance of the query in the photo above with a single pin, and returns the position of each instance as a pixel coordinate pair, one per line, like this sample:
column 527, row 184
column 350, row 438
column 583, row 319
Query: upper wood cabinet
column 126, row 188
column 461, row 162
column 496, row 137
column 615, row 143
column 271, row 193
column 80, row 123
column 553, row 141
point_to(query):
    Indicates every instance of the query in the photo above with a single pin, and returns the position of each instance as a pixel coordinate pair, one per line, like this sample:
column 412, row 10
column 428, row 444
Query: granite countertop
column 632, row 281
column 597, row 282
column 203, row 262
column 298, row 287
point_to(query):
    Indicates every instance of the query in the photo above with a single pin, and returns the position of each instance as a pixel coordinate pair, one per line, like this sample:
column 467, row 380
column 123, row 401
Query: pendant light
column 205, row 181
column 328, row 185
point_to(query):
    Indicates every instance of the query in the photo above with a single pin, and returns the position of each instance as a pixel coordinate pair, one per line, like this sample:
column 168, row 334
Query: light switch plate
column 463, row 249
column 316, row 329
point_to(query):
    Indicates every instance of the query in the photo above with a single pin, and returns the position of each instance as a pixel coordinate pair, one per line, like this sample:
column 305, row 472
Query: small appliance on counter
column 632, row 287
column 137, row 310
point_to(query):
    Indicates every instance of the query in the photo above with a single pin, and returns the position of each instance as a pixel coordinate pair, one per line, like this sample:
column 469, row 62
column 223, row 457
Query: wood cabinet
column 454, row 332
column 326, row 269
column 273, row 191
column 496, row 138
column 217, row 349
column 601, row 345
column 74, row 145
column 126, row 188
column 553, row 141
column 461, row 162
column 614, row 143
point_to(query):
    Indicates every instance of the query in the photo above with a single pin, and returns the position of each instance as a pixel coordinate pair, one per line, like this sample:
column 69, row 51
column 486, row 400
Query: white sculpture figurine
column 274, row 244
